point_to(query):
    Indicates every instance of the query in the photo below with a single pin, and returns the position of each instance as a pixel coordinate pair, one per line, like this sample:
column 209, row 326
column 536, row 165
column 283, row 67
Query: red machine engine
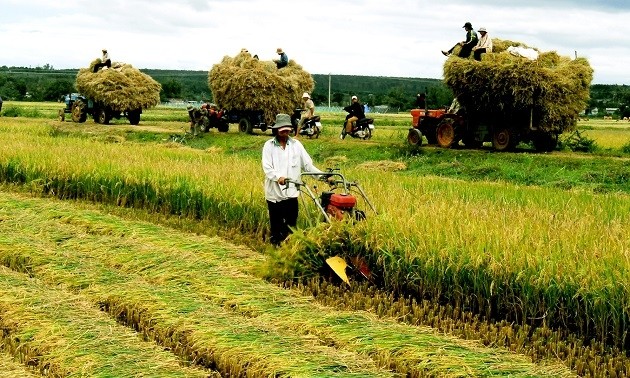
column 337, row 204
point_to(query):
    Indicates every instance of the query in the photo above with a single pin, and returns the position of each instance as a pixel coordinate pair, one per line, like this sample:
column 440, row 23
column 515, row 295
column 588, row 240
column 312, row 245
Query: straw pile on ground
column 121, row 87
column 246, row 83
column 507, row 87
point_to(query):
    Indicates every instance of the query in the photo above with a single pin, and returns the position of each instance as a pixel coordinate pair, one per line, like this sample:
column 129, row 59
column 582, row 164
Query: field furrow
column 60, row 334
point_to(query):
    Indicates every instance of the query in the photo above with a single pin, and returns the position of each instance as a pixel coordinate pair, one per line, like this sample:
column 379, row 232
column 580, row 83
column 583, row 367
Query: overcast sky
column 372, row 37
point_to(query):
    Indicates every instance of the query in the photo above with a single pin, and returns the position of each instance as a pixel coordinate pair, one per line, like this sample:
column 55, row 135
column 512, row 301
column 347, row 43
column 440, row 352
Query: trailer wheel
column 79, row 113
column 414, row 138
column 545, row 142
column 502, row 139
column 445, row 133
column 102, row 116
column 134, row 116
column 471, row 142
column 245, row 126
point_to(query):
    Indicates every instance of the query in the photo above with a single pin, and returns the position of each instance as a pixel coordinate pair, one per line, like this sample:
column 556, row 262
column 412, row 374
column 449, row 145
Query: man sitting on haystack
column 105, row 61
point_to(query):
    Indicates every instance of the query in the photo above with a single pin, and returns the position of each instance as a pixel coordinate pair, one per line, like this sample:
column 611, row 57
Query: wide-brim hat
column 306, row 95
column 467, row 25
column 482, row 30
column 355, row 98
column 283, row 121
column 279, row 50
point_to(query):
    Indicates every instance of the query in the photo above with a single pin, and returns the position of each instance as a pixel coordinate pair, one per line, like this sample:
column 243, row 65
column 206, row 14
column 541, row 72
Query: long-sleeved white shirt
column 485, row 42
column 288, row 162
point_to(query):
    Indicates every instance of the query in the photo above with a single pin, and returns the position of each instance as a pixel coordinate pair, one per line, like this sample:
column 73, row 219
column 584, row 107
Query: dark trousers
column 282, row 215
column 478, row 53
column 465, row 51
column 107, row 63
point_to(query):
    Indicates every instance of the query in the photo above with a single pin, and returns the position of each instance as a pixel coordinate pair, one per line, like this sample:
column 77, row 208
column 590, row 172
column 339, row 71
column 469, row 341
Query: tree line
column 49, row 84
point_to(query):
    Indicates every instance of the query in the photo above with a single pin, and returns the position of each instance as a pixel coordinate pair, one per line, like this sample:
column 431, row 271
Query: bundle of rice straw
column 508, row 88
column 246, row 83
column 121, row 87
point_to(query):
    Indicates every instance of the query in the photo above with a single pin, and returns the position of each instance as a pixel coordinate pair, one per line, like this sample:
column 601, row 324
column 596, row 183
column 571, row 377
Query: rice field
column 549, row 263
column 85, row 293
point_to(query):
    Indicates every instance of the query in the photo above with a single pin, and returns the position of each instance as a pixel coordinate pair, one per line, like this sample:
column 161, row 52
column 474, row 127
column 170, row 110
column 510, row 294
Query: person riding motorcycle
column 308, row 111
column 355, row 113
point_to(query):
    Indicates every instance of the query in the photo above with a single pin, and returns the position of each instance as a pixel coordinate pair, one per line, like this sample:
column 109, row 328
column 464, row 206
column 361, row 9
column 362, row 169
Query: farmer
column 483, row 46
column 421, row 101
column 284, row 59
column 195, row 119
column 308, row 111
column 105, row 61
column 283, row 158
column 466, row 45
column 355, row 113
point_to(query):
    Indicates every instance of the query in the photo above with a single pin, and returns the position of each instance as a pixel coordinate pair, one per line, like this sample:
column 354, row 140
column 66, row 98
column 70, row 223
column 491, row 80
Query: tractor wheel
column 134, row 116
column 223, row 127
column 446, row 136
column 502, row 139
column 545, row 142
column 414, row 138
column 79, row 113
column 245, row 126
column 102, row 116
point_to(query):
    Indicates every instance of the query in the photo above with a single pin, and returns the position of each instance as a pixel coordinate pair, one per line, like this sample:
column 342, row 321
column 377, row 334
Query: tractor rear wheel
column 134, row 116
column 502, row 139
column 245, row 126
column 414, row 138
column 446, row 136
column 79, row 113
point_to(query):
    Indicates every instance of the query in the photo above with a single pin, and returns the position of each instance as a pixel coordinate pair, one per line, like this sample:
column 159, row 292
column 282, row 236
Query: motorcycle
column 311, row 127
column 361, row 129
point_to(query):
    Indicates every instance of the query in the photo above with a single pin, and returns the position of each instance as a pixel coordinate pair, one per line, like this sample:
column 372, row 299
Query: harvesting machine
column 338, row 203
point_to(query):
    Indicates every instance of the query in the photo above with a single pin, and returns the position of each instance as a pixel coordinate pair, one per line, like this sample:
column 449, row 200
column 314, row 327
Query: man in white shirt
column 105, row 61
column 484, row 45
column 283, row 158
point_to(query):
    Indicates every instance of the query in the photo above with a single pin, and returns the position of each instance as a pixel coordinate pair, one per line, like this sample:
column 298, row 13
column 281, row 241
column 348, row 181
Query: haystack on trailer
column 507, row 98
column 121, row 90
column 253, row 91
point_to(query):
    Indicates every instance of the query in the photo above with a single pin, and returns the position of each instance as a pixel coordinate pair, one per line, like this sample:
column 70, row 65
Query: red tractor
column 447, row 127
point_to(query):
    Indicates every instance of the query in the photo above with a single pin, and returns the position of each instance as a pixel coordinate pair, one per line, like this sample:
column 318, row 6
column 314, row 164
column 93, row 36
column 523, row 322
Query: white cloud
column 383, row 38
